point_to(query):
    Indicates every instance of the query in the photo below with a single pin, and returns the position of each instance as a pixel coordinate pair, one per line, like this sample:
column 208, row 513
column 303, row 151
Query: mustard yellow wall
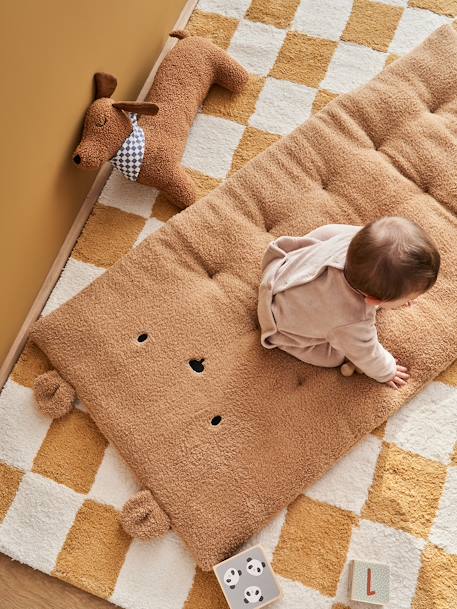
column 49, row 50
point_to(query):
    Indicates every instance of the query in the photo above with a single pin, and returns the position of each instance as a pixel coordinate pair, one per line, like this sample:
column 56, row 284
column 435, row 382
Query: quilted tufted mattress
column 164, row 348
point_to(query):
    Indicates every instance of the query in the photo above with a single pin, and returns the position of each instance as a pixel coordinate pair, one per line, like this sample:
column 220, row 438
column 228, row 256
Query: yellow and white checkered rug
column 392, row 499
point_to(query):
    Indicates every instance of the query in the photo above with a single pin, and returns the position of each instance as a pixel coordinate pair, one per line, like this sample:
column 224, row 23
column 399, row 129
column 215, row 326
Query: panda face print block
column 247, row 580
column 232, row 577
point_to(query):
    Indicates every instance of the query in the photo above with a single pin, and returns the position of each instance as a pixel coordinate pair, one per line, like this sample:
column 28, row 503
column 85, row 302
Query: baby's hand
column 401, row 378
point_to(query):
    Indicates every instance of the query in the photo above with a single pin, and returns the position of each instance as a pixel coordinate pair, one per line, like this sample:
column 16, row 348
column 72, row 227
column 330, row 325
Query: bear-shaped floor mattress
column 164, row 348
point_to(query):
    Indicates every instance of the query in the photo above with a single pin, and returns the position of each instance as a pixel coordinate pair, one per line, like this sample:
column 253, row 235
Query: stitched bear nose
column 77, row 159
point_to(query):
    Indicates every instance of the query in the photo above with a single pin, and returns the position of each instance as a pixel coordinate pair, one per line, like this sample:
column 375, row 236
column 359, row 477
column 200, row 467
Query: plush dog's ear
column 105, row 84
column 138, row 107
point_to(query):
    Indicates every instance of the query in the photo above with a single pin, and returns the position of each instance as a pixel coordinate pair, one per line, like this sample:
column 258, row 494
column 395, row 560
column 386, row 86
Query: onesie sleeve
column 359, row 343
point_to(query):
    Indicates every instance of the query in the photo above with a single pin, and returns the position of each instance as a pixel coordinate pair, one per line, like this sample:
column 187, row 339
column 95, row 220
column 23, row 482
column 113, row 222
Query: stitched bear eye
column 197, row 365
column 101, row 121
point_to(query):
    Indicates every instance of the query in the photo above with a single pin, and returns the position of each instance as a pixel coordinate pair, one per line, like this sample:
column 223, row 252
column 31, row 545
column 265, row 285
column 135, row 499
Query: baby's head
column 392, row 261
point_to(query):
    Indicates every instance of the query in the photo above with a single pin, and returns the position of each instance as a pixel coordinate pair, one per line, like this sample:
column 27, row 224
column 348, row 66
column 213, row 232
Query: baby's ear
column 372, row 301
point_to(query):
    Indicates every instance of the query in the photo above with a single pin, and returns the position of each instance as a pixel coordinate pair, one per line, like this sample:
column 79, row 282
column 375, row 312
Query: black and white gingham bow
column 130, row 155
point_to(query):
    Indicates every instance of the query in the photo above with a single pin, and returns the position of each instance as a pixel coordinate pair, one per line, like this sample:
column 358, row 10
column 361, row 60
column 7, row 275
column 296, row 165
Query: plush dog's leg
column 179, row 187
column 142, row 516
column 55, row 397
column 229, row 73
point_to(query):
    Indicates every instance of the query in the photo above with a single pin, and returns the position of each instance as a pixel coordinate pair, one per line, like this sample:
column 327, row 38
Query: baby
column 319, row 293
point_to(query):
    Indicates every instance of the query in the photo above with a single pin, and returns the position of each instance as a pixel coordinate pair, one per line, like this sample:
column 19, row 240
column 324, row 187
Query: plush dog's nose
column 77, row 159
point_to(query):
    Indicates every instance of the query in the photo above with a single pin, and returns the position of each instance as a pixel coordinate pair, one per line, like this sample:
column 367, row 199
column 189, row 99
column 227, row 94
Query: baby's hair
column 391, row 258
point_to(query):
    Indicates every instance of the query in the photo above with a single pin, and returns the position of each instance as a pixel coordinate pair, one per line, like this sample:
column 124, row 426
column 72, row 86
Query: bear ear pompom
column 55, row 397
column 142, row 516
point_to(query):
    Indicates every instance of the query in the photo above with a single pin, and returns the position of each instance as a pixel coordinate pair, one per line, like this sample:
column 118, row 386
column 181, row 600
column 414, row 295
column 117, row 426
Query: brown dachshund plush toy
column 149, row 149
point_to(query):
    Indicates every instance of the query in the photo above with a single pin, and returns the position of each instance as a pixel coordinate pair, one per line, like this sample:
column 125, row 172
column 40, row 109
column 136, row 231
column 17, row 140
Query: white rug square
column 282, row 106
column 347, row 484
column 113, row 467
column 256, row 46
column 427, row 425
column 444, row 531
column 76, row 276
column 322, row 18
column 352, row 65
column 235, row 9
column 37, row 523
column 155, row 574
column 22, row 427
column 211, row 144
column 129, row 196
column 378, row 543
column 298, row 596
column 415, row 25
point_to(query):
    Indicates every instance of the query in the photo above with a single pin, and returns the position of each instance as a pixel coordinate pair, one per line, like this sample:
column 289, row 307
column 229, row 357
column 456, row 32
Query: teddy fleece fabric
column 164, row 348
column 308, row 309
column 149, row 150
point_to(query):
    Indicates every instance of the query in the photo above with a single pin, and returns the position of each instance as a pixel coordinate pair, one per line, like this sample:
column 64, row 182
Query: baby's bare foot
column 348, row 369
